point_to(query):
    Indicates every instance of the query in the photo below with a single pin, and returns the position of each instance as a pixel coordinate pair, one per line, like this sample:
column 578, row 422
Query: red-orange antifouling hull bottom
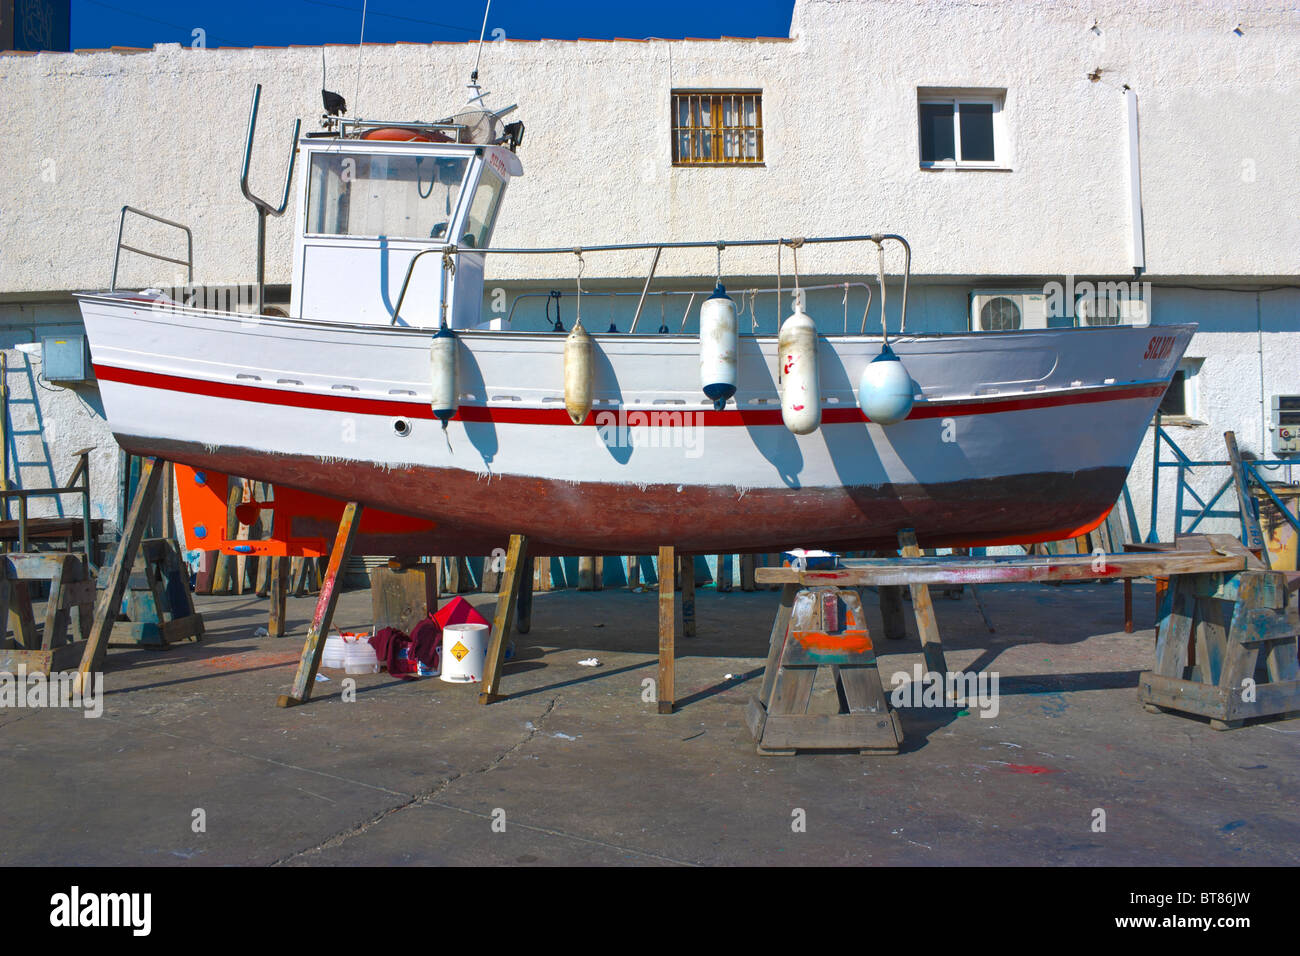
column 448, row 511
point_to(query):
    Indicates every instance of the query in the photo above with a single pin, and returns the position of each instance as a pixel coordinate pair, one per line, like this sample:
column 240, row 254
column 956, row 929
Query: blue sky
column 142, row 23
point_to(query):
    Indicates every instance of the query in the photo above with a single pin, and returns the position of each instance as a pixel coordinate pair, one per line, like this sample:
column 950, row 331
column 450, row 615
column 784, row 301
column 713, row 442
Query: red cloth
column 387, row 642
column 426, row 642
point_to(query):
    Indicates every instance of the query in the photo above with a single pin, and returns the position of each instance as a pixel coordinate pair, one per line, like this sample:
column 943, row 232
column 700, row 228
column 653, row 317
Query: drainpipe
column 1135, row 182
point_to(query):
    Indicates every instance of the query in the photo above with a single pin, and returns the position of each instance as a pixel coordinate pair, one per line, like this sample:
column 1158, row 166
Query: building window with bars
column 717, row 128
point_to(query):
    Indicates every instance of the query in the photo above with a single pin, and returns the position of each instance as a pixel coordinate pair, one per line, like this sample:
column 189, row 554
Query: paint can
column 464, row 651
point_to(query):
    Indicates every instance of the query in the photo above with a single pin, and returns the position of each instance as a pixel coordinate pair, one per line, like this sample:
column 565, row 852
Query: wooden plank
column 524, row 603
column 402, row 597
column 927, row 625
column 542, row 574
column 1211, row 643
column 791, row 691
column 1255, row 537
column 279, row 593
column 56, row 610
column 221, row 576
column 749, row 573
column 861, row 690
column 687, row 563
column 776, row 644
column 110, row 599
column 22, row 619
column 869, row 732
column 633, row 572
column 724, row 579
column 502, row 622
column 891, row 613
column 877, row 572
column 1175, row 631
column 667, row 631
column 314, row 646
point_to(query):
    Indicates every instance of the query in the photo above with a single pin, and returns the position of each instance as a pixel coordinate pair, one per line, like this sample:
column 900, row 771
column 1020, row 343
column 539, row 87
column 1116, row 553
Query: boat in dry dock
column 385, row 385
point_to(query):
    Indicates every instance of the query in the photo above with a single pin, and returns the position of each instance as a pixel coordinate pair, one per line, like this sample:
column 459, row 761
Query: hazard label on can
column 459, row 651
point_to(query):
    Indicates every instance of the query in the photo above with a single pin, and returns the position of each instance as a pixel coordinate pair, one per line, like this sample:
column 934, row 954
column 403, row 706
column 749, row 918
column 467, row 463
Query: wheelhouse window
column 717, row 128
column 402, row 197
column 483, row 210
column 961, row 129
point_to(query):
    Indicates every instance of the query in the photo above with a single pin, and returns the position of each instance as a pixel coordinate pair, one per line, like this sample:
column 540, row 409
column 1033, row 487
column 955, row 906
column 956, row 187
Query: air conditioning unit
column 1007, row 311
column 1107, row 308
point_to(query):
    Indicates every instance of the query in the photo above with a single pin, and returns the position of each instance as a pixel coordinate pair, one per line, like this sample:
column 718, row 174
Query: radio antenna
column 473, row 77
column 356, row 97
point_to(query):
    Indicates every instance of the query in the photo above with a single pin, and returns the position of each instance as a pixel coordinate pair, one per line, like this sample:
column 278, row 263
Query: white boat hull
column 1017, row 437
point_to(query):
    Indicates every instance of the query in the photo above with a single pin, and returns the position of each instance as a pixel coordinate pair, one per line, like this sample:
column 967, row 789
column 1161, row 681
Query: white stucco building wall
column 1220, row 171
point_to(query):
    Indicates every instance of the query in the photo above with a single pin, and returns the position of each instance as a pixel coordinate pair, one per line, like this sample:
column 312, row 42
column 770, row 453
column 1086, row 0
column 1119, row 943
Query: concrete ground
column 581, row 769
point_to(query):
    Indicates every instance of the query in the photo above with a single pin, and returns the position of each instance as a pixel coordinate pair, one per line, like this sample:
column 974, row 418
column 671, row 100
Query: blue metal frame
column 1185, row 467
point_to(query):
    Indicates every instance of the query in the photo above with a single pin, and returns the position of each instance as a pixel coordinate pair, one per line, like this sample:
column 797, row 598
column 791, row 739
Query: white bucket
column 360, row 658
column 464, row 650
column 335, row 655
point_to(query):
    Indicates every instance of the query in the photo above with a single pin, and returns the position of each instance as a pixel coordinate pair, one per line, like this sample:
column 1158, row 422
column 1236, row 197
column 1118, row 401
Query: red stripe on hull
column 333, row 402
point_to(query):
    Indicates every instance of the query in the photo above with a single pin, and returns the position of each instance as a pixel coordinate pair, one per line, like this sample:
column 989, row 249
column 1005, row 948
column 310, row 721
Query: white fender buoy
column 801, row 405
column 442, row 366
column 577, row 374
column 719, row 343
column 886, row 390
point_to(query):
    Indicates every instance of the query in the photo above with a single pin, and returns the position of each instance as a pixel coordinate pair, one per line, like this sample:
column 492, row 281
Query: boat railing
column 188, row 261
column 450, row 252
column 740, row 294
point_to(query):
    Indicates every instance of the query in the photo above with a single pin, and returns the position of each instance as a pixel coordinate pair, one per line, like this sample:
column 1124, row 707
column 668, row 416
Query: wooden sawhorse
column 1204, row 565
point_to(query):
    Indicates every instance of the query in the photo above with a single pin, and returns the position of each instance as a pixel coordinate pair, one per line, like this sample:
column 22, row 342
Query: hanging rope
column 448, row 270
column 578, row 318
column 884, row 327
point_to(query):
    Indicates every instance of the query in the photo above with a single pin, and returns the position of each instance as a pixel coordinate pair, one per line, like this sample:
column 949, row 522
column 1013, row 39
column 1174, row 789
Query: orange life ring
column 402, row 134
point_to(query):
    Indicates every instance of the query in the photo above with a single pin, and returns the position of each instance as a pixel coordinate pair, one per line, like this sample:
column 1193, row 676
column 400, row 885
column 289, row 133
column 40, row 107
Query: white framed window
column 962, row 129
column 1181, row 404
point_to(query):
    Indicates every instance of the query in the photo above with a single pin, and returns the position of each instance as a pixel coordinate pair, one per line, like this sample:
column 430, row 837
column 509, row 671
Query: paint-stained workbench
column 1226, row 645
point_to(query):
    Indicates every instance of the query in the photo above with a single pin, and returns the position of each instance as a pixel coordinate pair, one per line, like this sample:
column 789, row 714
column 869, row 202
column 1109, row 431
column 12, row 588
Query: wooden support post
column 524, row 603
column 667, row 631
column 279, row 588
column 927, row 626
column 221, row 575
column 891, row 612
column 1254, row 536
column 314, row 646
column 541, row 574
column 747, row 572
column 633, row 572
column 687, row 563
column 587, row 574
column 724, row 573
column 110, row 599
column 516, row 565
column 1128, row 606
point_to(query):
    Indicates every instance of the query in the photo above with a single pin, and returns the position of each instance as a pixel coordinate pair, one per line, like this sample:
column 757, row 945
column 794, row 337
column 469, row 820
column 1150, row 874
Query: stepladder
column 820, row 638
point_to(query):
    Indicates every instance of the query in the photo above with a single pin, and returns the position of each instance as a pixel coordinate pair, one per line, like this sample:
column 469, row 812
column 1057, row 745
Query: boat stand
column 314, row 647
column 109, row 603
column 821, row 632
column 1226, row 643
